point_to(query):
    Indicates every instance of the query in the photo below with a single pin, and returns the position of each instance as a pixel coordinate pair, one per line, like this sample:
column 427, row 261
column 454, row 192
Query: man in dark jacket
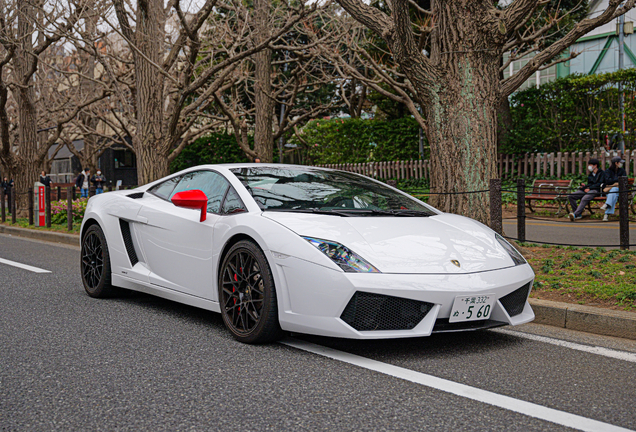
column 99, row 181
column 7, row 185
column 587, row 192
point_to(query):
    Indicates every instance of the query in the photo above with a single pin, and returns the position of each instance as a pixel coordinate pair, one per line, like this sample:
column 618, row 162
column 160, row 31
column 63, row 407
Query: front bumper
column 312, row 298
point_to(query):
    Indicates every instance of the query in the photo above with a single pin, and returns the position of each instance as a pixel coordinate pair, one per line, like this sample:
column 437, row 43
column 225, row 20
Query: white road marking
column 484, row 396
column 23, row 266
column 606, row 352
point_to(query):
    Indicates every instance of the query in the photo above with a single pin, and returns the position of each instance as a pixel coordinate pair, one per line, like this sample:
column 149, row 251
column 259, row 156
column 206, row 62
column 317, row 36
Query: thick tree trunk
column 463, row 137
column 148, row 140
column 26, row 162
column 461, row 109
column 263, row 137
column 150, row 164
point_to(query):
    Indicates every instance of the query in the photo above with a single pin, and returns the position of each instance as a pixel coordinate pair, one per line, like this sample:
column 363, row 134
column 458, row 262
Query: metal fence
column 510, row 165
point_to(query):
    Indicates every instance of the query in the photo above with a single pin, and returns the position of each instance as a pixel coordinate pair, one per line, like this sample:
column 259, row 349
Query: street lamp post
column 621, row 53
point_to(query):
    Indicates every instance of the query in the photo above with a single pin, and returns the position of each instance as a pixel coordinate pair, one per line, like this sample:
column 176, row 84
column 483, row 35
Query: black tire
column 95, row 264
column 247, row 295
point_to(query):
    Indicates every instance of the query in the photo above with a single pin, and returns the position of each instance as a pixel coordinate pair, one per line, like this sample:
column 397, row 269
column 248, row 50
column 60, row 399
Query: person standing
column 44, row 179
column 612, row 174
column 587, row 192
column 7, row 185
column 99, row 181
column 82, row 182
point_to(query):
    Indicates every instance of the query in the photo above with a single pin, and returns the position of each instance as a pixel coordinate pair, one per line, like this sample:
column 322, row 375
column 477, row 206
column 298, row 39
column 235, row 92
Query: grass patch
column 595, row 277
column 24, row 223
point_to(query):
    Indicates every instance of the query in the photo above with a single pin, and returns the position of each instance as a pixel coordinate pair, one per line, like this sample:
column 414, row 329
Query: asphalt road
column 562, row 231
column 70, row 362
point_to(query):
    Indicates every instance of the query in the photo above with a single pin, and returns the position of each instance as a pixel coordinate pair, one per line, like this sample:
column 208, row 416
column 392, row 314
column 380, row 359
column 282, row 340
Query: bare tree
column 96, row 64
column 176, row 74
column 451, row 56
column 271, row 95
column 28, row 32
column 365, row 66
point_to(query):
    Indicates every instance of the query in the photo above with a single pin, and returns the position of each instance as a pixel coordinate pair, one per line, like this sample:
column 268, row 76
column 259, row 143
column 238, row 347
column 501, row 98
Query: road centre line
column 606, row 352
column 527, row 408
column 23, row 266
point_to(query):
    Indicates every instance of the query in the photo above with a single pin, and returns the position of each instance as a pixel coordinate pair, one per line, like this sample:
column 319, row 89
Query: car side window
column 164, row 190
column 232, row 203
column 212, row 184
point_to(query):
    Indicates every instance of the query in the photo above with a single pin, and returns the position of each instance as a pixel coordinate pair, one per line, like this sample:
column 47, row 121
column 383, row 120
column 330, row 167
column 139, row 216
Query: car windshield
column 320, row 191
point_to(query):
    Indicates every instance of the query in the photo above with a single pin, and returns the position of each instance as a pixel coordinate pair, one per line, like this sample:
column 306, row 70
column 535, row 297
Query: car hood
column 412, row 245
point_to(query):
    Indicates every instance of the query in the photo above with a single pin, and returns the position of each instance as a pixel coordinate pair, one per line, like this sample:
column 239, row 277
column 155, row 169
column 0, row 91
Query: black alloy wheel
column 95, row 263
column 247, row 295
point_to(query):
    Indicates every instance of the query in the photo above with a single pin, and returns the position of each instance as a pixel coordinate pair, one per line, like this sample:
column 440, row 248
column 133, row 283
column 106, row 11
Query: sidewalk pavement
column 49, row 236
column 571, row 316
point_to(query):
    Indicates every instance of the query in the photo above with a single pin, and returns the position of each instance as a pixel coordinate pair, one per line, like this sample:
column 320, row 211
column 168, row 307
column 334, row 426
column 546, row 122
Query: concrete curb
column 49, row 236
column 587, row 319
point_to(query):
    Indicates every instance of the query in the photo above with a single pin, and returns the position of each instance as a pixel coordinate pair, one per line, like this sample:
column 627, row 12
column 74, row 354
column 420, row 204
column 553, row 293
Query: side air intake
column 130, row 247
column 136, row 195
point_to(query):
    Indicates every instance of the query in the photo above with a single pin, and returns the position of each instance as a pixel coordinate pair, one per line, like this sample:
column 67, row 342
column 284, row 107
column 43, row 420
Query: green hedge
column 211, row 149
column 358, row 140
column 573, row 113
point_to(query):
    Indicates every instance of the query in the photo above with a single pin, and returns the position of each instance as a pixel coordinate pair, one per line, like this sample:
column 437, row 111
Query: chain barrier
column 565, row 222
column 454, row 193
column 552, row 192
column 529, row 242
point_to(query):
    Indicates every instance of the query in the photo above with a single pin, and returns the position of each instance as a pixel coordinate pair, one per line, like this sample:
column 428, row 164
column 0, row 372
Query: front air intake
column 516, row 300
column 128, row 242
column 368, row 312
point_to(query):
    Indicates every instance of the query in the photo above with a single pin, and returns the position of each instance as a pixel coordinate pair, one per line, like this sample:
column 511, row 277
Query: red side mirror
column 193, row 199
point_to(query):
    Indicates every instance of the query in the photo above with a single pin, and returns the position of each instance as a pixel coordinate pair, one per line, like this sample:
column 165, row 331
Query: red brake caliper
column 234, row 289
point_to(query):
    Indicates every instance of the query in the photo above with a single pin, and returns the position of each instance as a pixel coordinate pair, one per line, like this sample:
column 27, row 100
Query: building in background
column 116, row 163
column 599, row 48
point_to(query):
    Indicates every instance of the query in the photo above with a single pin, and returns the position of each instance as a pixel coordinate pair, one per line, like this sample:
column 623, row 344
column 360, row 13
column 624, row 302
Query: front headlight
column 346, row 259
column 514, row 253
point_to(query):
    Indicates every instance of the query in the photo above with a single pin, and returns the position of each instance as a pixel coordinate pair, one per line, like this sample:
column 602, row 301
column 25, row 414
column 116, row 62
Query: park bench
column 549, row 190
column 630, row 198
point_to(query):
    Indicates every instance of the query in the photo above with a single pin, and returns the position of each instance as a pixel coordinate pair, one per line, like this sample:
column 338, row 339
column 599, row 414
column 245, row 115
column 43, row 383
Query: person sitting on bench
column 612, row 174
column 587, row 192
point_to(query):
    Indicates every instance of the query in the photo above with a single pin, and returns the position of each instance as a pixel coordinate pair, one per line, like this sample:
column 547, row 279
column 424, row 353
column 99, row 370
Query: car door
column 177, row 245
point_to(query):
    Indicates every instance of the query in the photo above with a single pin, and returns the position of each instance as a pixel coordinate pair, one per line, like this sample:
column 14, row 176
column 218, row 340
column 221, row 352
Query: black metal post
column 521, row 210
column 623, row 208
column 59, row 193
column 30, row 206
column 495, row 205
column 73, row 192
column 47, row 205
column 12, row 197
column 3, row 212
column 69, row 207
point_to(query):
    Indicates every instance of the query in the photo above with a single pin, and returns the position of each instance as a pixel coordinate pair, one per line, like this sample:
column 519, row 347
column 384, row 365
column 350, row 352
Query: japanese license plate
column 472, row 308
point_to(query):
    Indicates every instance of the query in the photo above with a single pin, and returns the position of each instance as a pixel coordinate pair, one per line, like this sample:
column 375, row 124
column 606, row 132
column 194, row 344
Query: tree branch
column 613, row 10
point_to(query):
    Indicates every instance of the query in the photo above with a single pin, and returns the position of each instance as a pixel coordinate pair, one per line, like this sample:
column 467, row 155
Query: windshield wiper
column 413, row 213
column 377, row 212
column 310, row 210
column 345, row 212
